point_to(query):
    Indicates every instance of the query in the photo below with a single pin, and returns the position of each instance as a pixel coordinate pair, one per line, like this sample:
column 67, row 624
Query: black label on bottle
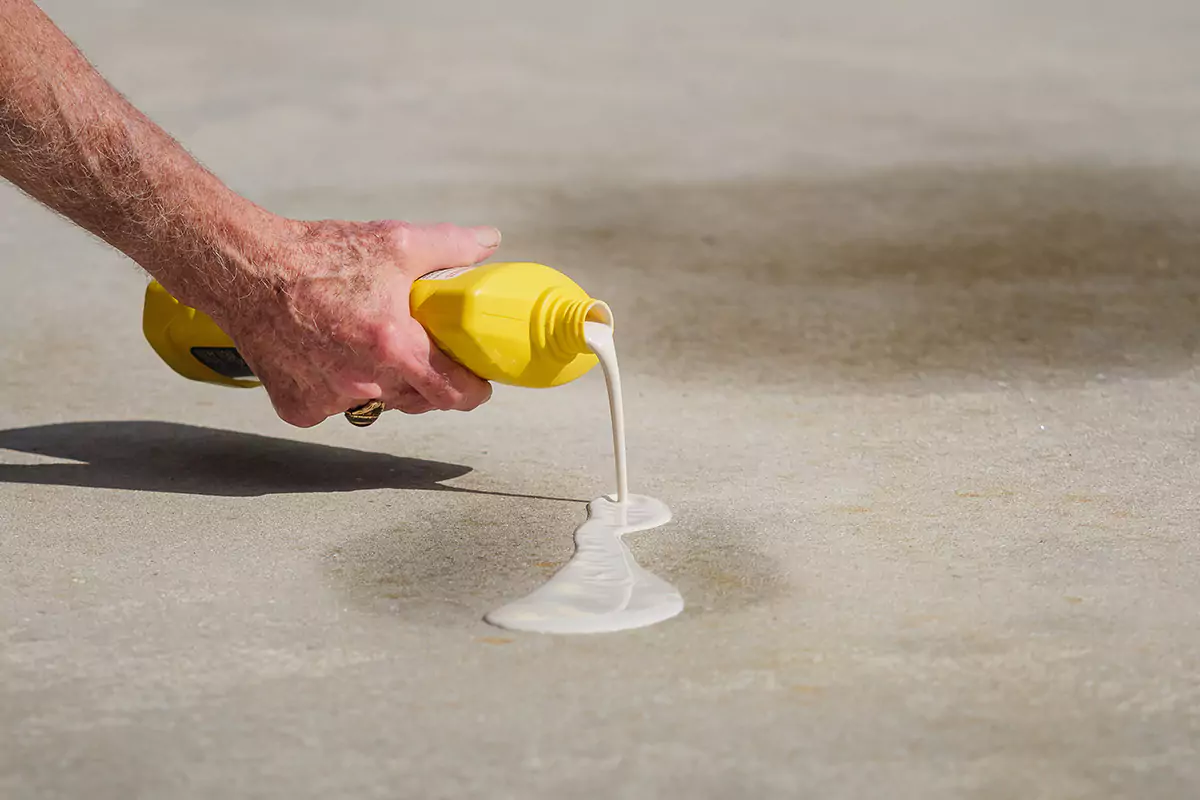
column 225, row 361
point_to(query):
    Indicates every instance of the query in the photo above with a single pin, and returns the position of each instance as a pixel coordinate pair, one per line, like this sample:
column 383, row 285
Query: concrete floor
column 907, row 296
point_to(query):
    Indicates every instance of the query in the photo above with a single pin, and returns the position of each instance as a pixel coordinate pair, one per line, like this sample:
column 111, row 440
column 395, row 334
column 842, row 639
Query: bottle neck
column 563, row 324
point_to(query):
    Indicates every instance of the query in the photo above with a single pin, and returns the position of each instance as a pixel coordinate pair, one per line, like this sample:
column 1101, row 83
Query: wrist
column 219, row 251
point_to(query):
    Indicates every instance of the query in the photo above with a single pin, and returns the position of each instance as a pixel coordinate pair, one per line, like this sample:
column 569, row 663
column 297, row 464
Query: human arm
column 318, row 309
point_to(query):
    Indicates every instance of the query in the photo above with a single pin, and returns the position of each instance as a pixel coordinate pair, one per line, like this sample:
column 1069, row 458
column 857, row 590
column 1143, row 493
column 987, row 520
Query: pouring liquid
column 602, row 588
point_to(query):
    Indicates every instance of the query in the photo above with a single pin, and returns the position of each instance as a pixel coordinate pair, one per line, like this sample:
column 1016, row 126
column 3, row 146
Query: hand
column 326, row 326
column 319, row 310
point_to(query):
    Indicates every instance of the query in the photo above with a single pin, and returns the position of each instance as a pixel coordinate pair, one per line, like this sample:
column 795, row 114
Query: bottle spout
column 600, row 312
column 565, row 333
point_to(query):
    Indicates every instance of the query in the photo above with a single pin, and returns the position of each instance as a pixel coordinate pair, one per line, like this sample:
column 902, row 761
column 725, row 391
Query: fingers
column 399, row 397
column 425, row 248
column 358, row 390
column 305, row 405
column 348, row 393
column 413, row 361
column 442, row 385
column 408, row 401
column 450, row 381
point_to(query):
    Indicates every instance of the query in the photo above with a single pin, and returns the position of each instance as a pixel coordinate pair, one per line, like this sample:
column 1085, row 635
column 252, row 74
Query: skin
column 319, row 310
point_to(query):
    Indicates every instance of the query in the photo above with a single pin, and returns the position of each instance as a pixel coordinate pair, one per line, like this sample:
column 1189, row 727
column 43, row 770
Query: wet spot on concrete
column 717, row 561
column 484, row 551
column 457, row 561
column 1042, row 272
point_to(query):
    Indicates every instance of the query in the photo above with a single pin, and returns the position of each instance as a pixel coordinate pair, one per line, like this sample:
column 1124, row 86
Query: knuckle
column 400, row 235
column 389, row 346
column 411, row 366
column 445, row 231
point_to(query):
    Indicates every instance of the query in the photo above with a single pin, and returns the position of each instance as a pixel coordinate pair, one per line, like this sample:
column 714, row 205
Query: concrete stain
column 717, row 563
column 452, row 567
column 1052, row 273
column 983, row 493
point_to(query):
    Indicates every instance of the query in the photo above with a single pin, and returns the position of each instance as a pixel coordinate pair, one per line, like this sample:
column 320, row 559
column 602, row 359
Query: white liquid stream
column 601, row 588
column 599, row 337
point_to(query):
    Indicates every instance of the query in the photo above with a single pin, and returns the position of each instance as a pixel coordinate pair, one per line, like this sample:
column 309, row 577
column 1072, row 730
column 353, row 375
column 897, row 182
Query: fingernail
column 487, row 237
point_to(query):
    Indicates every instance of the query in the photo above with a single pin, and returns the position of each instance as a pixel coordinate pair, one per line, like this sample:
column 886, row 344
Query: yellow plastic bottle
column 191, row 343
column 519, row 324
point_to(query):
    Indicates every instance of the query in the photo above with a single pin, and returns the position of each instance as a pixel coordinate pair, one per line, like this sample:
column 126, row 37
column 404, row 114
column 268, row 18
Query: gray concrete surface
column 907, row 298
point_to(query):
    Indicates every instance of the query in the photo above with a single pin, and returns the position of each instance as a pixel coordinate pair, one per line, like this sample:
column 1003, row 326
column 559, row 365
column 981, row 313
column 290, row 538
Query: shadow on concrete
column 1043, row 272
column 186, row 459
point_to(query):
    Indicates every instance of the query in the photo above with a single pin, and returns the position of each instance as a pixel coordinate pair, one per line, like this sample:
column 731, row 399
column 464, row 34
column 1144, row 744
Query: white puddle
column 601, row 588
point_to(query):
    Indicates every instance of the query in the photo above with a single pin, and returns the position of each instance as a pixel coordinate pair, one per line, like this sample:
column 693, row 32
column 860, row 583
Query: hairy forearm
column 70, row 140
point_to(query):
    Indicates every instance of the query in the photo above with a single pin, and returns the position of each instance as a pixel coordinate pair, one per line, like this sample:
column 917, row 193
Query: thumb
column 424, row 248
